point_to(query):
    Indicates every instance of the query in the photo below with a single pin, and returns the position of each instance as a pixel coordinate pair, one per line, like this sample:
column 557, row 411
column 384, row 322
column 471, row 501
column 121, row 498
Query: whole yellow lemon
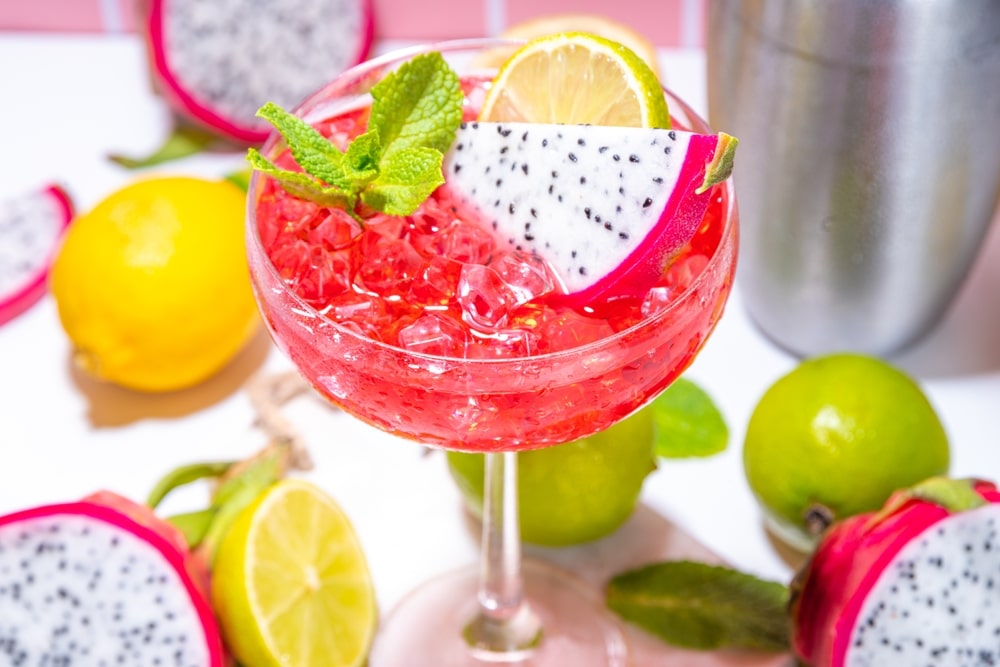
column 151, row 285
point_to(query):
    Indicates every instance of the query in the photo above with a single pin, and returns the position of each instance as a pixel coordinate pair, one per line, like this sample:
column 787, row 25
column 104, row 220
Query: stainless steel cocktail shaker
column 869, row 162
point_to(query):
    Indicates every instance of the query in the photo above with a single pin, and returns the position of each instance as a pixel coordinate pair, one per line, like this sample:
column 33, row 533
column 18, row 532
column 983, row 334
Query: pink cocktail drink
column 430, row 327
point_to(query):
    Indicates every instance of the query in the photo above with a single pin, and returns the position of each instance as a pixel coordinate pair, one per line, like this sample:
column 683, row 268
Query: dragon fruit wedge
column 101, row 581
column 31, row 227
column 607, row 207
column 217, row 62
column 917, row 583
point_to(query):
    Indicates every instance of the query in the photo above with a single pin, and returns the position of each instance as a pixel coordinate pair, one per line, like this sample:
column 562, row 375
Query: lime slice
column 291, row 585
column 576, row 77
column 595, row 24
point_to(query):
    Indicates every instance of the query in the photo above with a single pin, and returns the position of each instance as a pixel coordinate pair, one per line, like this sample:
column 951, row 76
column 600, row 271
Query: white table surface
column 67, row 101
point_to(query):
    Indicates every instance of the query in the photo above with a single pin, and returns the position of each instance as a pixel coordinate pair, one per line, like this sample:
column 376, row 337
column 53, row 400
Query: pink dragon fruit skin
column 607, row 207
column 305, row 49
column 103, row 515
column 831, row 595
column 31, row 227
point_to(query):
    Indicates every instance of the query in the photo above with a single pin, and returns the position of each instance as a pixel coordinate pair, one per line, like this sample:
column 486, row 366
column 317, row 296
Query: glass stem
column 504, row 623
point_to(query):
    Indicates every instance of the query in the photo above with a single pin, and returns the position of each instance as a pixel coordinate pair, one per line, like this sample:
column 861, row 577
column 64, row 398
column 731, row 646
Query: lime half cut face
column 576, row 78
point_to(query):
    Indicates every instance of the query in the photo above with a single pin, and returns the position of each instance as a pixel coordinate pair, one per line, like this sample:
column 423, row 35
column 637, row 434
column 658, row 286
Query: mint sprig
column 396, row 164
column 704, row 607
column 688, row 423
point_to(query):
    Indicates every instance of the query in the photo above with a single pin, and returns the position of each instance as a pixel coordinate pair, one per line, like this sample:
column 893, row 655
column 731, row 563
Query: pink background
column 668, row 23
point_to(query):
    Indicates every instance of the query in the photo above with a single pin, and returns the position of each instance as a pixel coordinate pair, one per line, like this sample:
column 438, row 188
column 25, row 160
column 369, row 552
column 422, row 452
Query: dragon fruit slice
column 914, row 584
column 218, row 62
column 101, row 581
column 607, row 207
column 30, row 229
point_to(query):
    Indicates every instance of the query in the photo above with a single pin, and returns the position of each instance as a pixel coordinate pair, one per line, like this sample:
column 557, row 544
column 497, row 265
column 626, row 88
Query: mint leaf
column 687, row 422
column 700, row 606
column 311, row 150
column 363, row 157
column 303, row 185
column 407, row 178
column 420, row 104
column 396, row 164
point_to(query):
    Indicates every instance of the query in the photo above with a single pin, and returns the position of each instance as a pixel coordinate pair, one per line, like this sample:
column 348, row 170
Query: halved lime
column 576, row 77
column 594, row 24
column 291, row 585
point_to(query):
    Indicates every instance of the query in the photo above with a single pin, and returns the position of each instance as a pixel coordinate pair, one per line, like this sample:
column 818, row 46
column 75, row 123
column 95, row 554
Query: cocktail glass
column 504, row 610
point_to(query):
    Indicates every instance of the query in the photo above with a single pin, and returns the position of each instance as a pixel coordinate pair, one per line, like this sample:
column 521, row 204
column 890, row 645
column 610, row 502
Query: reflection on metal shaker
column 869, row 165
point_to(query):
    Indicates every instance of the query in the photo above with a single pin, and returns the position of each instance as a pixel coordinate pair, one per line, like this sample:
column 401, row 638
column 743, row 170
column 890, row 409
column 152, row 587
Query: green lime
column 576, row 492
column 576, row 78
column 835, row 437
column 291, row 585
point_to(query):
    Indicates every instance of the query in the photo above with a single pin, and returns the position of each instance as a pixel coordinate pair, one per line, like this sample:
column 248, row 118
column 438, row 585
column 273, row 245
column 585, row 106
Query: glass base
column 426, row 628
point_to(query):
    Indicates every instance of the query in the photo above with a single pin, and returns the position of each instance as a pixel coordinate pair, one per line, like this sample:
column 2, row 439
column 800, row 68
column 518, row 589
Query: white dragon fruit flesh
column 217, row 62
column 915, row 584
column 31, row 227
column 606, row 207
column 98, row 582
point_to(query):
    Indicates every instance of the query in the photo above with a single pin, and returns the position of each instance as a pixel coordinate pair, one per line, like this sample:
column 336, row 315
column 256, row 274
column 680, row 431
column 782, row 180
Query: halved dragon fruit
column 607, row 207
column 31, row 227
column 218, row 62
column 101, row 581
column 917, row 583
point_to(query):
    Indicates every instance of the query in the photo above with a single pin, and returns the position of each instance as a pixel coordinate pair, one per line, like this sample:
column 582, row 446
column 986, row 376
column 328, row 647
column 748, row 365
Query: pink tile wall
column 54, row 15
column 665, row 22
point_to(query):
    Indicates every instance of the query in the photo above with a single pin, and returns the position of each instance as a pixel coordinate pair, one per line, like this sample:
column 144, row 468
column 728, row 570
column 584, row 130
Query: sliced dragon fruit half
column 917, row 583
column 607, row 207
column 31, row 227
column 102, row 581
column 216, row 63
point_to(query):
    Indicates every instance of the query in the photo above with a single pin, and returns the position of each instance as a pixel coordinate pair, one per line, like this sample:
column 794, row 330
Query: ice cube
column 460, row 241
column 437, row 284
column 485, row 299
column 436, row 334
column 333, row 229
column 527, row 275
column 657, row 300
column 502, row 344
column 389, row 265
column 315, row 274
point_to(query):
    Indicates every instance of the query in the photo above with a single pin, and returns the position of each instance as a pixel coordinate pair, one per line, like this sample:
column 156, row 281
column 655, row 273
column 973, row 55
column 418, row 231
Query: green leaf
column 259, row 474
column 688, row 423
column 184, row 141
column 420, row 104
column 396, row 164
column 237, row 492
column 182, row 476
column 407, row 178
column 721, row 166
column 363, row 158
column 705, row 607
column 312, row 151
column 303, row 185
column 193, row 525
column 955, row 495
